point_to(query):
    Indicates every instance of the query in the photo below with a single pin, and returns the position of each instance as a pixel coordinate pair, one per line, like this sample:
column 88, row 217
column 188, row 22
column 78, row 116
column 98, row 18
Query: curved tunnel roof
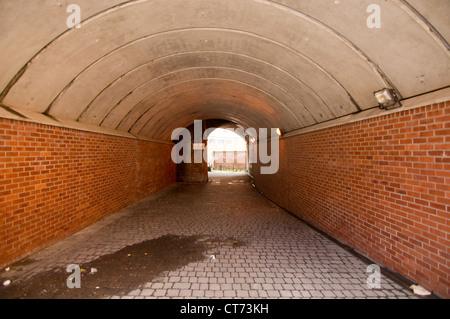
column 149, row 66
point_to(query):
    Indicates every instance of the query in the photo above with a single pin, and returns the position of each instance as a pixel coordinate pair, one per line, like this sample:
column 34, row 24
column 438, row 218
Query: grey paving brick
column 168, row 285
column 242, row 294
column 262, row 294
column 273, row 293
column 185, row 293
column 160, row 292
column 135, row 292
column 147, row 292
column 316, row 294
column 229, row 293
column 198, row 293
column 286, row 294
column 174, row 279
column 182, row 285
column 214, row 287
column 157, row 285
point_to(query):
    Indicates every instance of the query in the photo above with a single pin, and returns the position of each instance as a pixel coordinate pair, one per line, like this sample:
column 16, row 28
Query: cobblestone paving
column 254, row 249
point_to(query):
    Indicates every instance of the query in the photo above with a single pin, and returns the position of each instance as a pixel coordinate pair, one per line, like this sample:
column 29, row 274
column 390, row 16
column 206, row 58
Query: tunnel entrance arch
column 236, row 160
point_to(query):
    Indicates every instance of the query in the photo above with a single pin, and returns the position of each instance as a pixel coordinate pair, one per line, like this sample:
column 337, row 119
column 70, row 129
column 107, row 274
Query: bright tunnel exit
column 227, row 151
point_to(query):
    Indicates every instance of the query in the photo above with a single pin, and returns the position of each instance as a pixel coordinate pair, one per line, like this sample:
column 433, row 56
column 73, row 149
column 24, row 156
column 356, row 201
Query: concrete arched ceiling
column 149, row 66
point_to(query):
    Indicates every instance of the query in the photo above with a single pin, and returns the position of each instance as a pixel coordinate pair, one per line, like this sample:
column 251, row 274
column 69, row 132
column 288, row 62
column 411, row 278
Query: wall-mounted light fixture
column 278, row 132
column 387, row 99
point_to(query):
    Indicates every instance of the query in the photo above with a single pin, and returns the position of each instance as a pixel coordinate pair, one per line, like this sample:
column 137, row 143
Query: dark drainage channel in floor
column 113, row 274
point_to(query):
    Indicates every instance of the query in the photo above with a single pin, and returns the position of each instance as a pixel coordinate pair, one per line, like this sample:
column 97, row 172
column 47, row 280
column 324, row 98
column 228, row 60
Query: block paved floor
column 217, row 240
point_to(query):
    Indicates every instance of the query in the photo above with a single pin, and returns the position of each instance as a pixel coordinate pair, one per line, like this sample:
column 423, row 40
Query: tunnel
column 92, row 91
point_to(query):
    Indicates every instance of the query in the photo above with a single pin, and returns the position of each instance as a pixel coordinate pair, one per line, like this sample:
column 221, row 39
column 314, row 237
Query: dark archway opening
column 221, row 148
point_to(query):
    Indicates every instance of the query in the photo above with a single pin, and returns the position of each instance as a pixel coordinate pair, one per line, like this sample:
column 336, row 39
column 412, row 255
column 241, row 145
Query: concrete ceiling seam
column 183, row 120
column 138, row 41
column 165, row 133
column 191, row 116
column 97, row 16
column 402, row 47
column 55, row 45
column 208, row 117
column 427, row 25
column 16, row 77
column 352, row 45
column 134, row 119
column 410, row 10
column 320, row 62
column 114, row 83
column 175, row 90
column 119, row 5
column 436, row 13
column 164, row 80
column 201, row 87
column 252, row 105
column 162, row 131
column 163, row 77
column 114, row 87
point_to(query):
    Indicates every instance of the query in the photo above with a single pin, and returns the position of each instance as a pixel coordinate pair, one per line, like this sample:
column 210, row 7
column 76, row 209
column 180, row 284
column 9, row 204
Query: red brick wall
column 56, row 181
column 381, row 185
column 192, row 172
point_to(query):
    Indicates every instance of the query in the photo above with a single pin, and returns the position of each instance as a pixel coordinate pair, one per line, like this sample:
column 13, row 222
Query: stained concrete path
column 217, row 240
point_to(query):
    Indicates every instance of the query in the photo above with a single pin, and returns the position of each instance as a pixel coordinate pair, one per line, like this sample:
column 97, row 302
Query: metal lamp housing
column 387, row 99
